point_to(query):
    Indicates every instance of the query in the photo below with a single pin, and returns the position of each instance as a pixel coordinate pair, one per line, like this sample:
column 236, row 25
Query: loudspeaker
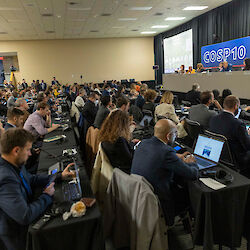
column 155, row 67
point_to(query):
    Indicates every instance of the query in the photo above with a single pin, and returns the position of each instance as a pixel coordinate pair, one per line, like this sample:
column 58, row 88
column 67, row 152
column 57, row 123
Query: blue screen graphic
column 234, row 52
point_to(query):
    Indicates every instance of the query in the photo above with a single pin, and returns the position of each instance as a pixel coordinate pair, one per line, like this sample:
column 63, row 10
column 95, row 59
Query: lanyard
column 27, row 187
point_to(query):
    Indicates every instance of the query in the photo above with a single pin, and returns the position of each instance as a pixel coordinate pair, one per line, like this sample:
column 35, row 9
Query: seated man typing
column 37, row 125
column 158, row 162
column 18, row 208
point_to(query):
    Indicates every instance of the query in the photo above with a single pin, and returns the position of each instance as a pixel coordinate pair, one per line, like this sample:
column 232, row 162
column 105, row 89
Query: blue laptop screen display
column 208, row 148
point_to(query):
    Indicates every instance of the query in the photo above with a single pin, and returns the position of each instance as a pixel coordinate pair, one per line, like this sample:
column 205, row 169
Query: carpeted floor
column 180, row 240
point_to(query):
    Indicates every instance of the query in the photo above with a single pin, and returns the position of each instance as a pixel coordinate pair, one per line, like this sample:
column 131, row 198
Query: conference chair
column 193, row 129
column 147, row 112
column 91, row 148
column 133, row 215
column 186, row 103
column 227, row 157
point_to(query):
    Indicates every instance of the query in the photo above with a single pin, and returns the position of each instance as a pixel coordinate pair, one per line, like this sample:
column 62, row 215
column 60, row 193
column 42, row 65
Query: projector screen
column 178, row 50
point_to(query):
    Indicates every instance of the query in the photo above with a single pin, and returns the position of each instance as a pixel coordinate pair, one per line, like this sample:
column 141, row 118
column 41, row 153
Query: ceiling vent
column 94, row 31
column 50, row 31
column 47, row 15
column 134, row 30
column 105, row 14
column 3, row 32
column 158, row 14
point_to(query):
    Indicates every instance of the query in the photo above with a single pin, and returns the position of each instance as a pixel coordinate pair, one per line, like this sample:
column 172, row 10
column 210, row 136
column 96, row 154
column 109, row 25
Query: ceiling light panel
column 127, row 19
column 175, row 18
column 196, row 8
column 148, row 32
column 159, row 26
column 141, row 8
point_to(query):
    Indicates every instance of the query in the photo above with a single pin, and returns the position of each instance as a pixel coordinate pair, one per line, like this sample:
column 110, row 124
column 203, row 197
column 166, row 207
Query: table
column 83, row 233
column 219, row 215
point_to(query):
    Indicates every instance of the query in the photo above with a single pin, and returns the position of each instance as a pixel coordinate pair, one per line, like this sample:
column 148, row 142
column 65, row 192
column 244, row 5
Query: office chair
column 193, row 129
column 186, row 103
column 226, row 154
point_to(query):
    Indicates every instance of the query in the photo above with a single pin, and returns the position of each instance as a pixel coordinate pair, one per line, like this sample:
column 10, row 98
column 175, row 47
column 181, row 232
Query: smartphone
column 136, row 145
column 51, row 179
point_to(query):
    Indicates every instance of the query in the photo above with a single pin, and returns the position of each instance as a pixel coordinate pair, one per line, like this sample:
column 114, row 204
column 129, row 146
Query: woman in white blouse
column 166, row 109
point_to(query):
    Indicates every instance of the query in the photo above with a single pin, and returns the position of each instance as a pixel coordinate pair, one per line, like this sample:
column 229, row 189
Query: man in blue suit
column 235, row 131
column 43, row 86
column 18, row 209
column 158, row 162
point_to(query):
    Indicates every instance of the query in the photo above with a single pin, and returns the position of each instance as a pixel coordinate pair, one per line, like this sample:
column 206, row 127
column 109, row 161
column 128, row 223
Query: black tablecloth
column 219, row 215
column 75, row 233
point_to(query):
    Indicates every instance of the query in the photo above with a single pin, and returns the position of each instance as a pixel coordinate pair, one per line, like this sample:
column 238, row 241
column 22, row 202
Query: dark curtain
column 227, row 22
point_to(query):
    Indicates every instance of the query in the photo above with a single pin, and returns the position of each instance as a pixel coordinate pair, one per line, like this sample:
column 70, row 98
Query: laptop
column 72, row 190
column 207, row 151
column 145, row 121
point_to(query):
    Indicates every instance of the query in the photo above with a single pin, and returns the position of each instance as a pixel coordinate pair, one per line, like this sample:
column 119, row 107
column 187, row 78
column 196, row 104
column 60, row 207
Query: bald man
column 157, row 161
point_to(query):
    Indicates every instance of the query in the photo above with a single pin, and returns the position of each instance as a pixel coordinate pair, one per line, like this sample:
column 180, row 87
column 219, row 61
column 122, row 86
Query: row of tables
column 220, row 216
column 84, row 233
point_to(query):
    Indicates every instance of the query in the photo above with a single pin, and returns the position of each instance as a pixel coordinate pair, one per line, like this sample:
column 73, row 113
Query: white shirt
column 79, row 102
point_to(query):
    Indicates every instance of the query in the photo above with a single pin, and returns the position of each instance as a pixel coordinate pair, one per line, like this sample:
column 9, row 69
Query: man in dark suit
column 200, row 112
column 89, row 110
column 43, row 86
column 158, row 162
column 15, row 118
column 193, row 95
column 103, row 111
column 18, row 208
column 235, row 131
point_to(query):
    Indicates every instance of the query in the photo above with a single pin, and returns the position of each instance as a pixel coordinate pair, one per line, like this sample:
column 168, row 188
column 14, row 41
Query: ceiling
column 61, row 19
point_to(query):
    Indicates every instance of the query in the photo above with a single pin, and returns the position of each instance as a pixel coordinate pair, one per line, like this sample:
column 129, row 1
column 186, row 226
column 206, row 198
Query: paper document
column 215, row 185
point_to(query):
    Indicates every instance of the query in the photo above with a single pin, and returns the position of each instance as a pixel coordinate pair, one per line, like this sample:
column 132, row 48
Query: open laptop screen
column 208, row 148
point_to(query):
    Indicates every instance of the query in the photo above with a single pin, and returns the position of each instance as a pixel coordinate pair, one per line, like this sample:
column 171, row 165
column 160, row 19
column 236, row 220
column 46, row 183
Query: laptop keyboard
column 70, row 192
column 202, row 162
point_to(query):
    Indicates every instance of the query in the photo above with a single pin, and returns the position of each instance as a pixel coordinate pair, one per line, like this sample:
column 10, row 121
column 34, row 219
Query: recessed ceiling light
column 174, row 18
column 58, row 16
column 127, row 19
column 140, row 8
column 159, row 26
column 45, row 8
column 196, row 8
column 148, row 32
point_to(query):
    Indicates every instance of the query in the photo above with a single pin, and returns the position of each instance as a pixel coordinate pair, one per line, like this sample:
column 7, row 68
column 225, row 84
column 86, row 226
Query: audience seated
column 106, row 91
column 200, row 68
column 166, row 109
column 36, row 123
column 89, row 110
column 79, row 101
column 14, row 118
column 225, row 93
column 22, row 105
column 193, row 95
column 235, row 130
column 190, row 70
column 200, row 112
column 226, row 67
column 103, row 111
column 149, row 97
column 123, row 103
column 139, row 102
column 115, row 137
column 18, row 208
column 157, row 161
column 246, row 64
column 11, row 100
